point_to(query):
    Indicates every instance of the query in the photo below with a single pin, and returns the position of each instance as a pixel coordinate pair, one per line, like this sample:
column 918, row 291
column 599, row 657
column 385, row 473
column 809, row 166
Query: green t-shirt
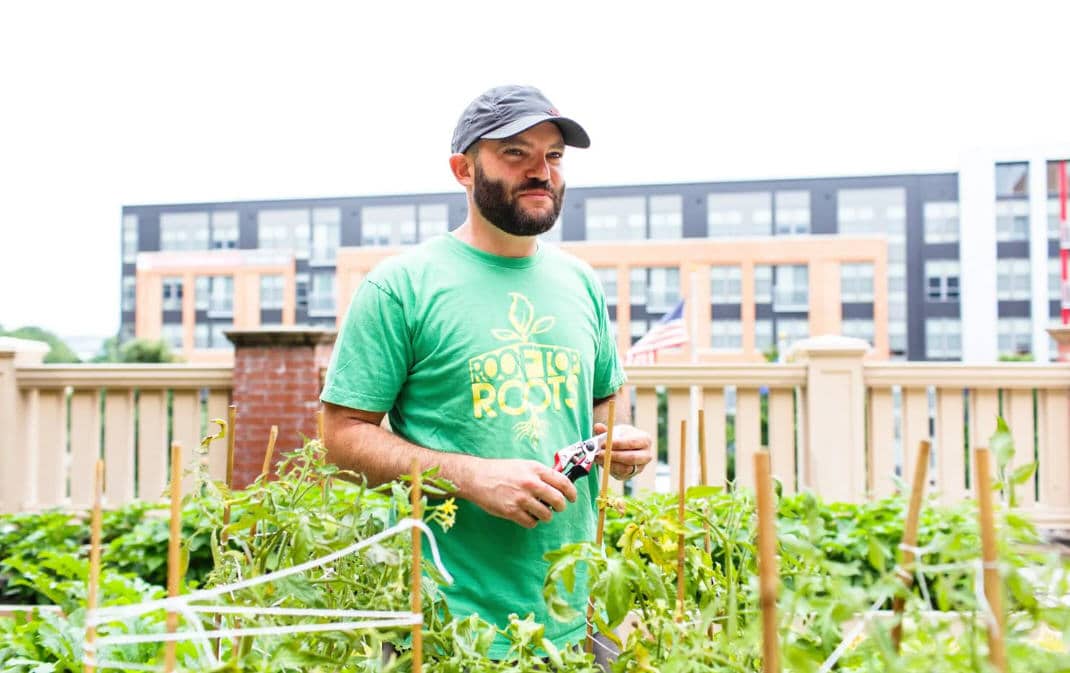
column 496, row 357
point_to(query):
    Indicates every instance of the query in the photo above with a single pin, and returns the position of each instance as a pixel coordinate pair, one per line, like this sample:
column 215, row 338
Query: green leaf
column 1023, row 473
column 876, row 555
column 1001, row 443
column 700, row 492
column 618, row 591
column 553, row 654
column 521, row 315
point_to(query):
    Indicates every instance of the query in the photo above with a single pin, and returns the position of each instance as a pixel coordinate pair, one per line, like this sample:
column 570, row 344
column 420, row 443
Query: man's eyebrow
column 516, row 140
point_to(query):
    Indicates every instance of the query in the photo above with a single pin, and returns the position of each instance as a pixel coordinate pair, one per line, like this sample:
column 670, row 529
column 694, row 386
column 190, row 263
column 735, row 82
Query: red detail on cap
column 553, row 111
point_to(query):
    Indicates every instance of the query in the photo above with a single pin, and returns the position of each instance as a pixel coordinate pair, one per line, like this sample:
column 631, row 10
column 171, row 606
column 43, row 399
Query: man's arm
column 632, row 447
column 524, row 491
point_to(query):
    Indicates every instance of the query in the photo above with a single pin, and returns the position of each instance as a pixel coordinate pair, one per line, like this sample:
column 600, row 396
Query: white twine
column 102, row 615
column 372, row 619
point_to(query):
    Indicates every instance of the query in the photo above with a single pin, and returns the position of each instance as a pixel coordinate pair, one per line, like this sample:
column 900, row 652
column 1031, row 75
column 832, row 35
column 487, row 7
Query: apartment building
column 921, row 265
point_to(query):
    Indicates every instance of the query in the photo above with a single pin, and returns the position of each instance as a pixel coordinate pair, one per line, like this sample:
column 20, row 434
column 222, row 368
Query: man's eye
column 513, row 151
column 556, row 156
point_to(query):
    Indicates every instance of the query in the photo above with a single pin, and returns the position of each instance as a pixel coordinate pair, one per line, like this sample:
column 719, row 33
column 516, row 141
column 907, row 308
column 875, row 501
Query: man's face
column 518, row 185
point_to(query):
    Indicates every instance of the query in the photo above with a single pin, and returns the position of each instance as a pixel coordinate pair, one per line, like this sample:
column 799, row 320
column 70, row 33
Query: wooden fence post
column 834, row 461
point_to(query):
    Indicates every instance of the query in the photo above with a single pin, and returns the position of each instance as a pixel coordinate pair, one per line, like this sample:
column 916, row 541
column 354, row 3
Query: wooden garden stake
column 603, row 492
column 417, row 591
column 174, row 559
column 910, row 537
column 704, row 477
column 767, row 568
column 94, row 560
column 319, row 425
column 989, row 555
column 270, row 451
column 232, row 422
column 681, row 550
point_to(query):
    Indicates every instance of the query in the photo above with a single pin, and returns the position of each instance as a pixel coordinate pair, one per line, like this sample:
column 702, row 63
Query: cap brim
column 572, row 133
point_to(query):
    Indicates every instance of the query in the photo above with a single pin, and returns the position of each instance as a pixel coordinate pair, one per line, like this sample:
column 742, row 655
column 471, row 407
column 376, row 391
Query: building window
column 225, row 230
column 434, row 220
column 1015, row 336
column 1012, row 180
column 941, row 221
column 763, row 335
column 216, row 295
column 217, row 337
column 1054, row 221
column 397, row 225
column 201, row 336
column 726, row 335
column 942, row 279
column 172, row 293
column 664, row 291
column 129, row 293
column 1053, row 176
column 321, row 293
column 608, row 278
column 129, row 238
column 1012, row 279
column 858, row 328
column 637, row 284
column 763, row 284
column 943, row 338
column 1012, row 220
column 554, row 233
column 286, row 230
column 792, row 292
column 897, row 336
column 1055, row 279
column 616, row 218
column 726, row 285
column 739, row 215
column 790, row 330
column 326, row 225
column 872, row 211
column 666, row 217
column 271, row 291
column 183, row 231
column 792, row 212
column 638, row 329
column 301, row 282
column 856, row 282
column 172, row 335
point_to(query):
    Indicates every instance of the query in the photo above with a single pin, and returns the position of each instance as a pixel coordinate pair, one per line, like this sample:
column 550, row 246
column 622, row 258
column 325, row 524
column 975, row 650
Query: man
column 490, row 352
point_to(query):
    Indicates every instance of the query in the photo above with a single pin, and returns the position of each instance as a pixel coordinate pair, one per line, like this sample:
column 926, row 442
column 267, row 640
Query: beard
column 503, row 210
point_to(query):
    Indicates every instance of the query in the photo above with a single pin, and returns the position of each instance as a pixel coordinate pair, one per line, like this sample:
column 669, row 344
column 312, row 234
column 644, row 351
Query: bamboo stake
column 270, row 451
column 417, row 591
column 767, row 568
column 603, row 492
column 94, row 560
column 910, row 537
column 319, row 425
column 173, row 548
column 704, row 476
column 682, row 510
column 993, row 589
column 232, row 422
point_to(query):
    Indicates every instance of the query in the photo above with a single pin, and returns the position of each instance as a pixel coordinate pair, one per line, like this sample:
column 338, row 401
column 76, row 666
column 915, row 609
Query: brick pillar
column 1061, row 334
column 276, row 382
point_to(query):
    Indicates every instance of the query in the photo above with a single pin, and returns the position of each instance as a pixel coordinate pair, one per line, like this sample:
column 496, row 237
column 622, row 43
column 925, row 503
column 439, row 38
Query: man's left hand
column 632, row 450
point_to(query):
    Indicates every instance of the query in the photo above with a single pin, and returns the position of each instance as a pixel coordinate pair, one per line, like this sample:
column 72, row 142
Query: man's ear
column 463, row 169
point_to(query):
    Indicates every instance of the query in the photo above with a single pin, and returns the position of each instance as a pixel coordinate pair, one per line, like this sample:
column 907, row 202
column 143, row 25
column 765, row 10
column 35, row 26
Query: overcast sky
column 110, row 103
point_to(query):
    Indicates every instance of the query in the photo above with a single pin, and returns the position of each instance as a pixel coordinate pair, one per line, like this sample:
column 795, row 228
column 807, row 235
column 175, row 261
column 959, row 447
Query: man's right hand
column 522, row 491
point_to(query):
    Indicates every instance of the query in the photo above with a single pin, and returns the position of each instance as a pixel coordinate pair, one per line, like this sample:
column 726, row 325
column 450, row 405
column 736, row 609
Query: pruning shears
column 575, row 460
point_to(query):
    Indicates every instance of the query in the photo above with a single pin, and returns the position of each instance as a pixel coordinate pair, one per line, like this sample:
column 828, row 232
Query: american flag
column 668, row 332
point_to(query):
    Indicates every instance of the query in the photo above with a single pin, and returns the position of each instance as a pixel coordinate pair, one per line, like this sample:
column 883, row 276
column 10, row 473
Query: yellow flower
column 446, row 514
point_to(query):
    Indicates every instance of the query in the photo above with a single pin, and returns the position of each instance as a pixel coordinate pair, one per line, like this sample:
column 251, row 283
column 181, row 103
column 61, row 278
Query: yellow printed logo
column 524, row 378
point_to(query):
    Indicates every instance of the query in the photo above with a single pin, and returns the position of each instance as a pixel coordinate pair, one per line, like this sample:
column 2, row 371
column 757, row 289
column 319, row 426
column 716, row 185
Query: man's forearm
column 382, row 456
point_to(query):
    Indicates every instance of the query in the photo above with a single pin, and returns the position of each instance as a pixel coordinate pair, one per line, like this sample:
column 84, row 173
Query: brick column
column 276, row 382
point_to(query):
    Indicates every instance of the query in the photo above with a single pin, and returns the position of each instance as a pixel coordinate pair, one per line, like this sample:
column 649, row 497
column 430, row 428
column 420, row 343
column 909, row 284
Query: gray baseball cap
column 505, row 111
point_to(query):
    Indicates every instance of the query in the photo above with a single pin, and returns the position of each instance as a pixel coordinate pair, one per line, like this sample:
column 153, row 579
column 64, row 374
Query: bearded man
column 489, row 351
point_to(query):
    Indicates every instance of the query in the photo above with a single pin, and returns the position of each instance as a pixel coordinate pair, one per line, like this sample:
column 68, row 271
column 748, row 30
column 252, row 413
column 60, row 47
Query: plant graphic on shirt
column 525, row 326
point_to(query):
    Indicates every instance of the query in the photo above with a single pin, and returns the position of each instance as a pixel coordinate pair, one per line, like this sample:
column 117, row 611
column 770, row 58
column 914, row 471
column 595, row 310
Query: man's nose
column 539, row 169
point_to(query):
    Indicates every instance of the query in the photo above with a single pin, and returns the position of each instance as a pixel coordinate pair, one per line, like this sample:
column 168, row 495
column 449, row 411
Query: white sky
column 112, row 103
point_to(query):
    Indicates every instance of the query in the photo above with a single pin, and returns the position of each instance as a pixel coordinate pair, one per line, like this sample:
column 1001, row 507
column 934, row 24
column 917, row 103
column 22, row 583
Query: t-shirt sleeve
column 609, row 373
column 372, row 353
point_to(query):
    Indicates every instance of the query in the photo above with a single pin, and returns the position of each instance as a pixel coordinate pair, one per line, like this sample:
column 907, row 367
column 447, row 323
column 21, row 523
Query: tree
column 134, row 351
column 58, row 351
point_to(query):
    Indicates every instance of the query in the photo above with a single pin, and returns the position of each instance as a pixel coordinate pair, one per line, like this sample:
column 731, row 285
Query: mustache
column 536, row 184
